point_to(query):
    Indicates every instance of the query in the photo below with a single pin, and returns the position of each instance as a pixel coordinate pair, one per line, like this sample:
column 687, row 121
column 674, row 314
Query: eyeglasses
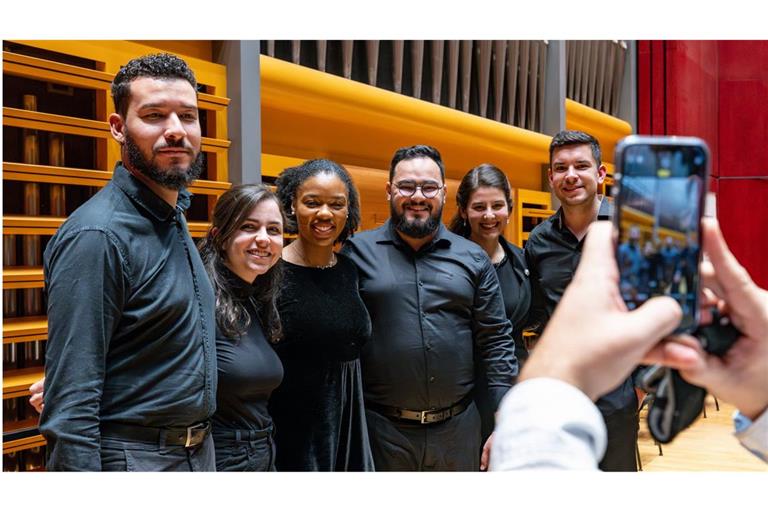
column 429, row 189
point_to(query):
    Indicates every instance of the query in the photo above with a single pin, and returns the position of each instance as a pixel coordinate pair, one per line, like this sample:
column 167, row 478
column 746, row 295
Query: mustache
column 181, row 143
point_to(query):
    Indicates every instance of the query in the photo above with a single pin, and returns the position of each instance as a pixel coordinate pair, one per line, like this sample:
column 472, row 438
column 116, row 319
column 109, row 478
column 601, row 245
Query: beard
column 175, row 177
column 416, row 228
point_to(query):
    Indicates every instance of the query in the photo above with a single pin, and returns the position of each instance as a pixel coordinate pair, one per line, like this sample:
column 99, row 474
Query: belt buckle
column 438, row 416
column 192, row 434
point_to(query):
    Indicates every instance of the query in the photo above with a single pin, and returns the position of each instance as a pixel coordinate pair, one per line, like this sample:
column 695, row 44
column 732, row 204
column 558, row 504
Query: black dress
column 318, row 409
column 515, row 285
column 248, row 371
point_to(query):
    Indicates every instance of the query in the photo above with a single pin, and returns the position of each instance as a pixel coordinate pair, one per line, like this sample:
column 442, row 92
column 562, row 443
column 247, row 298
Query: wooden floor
column 707, row 445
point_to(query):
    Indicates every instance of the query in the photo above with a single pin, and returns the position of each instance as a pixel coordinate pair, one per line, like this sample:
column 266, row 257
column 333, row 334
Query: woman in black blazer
column 485, row 205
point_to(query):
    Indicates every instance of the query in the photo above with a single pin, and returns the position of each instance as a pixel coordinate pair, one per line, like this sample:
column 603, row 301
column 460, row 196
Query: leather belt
column 189, row 437
column 242, row 435
column 423, row 417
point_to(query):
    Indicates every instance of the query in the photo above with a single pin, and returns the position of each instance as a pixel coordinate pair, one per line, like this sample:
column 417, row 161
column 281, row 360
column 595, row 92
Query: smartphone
column 658, row 203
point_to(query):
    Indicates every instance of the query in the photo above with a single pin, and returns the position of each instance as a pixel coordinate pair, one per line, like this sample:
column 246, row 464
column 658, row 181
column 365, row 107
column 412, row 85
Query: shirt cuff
column 753, row 435
column 547, row 424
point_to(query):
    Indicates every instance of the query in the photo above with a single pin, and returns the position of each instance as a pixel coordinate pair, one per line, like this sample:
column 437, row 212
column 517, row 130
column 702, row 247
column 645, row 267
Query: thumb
column 653, row 320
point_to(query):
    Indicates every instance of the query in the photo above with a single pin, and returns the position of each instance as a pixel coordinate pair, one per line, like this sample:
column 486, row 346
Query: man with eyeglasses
column 433, row 297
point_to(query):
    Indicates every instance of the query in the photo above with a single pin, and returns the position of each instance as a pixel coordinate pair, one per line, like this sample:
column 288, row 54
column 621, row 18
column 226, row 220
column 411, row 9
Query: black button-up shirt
column 130, row 322
column 553, row 252
column 428, row 308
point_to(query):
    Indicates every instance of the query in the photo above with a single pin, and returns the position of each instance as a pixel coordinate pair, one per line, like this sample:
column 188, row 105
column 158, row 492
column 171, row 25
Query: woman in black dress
column 241, row 253
column 485, row 203
column 318, row 409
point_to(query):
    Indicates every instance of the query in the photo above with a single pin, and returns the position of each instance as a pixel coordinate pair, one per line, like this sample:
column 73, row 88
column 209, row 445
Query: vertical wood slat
column 523, row 82
column 597, row 101
column 621, row 54
column 322, row 47
column 271, row 48
column 466, row 73
column 513, row 54
column 542, row 83
column 593, row 73
column 296, row 52
column 533, row 76
column 499, row 64
column 483, row 53
column 610, row 57
column 347, row 48
column 578, row 48
column 586, row 50
column 437, row 52
column 570, row 51
column 397, row 65
column 453, row 72
column 417, row 66
column 372, row 55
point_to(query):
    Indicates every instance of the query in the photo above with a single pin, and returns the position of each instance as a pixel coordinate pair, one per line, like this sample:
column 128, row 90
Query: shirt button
column 432, row 379
column 421, row 284
column 429, row 347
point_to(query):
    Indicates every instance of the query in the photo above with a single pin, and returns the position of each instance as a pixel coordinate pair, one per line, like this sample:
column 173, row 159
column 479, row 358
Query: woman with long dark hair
column 241, row 254
column 318, row 409
column 484, row 199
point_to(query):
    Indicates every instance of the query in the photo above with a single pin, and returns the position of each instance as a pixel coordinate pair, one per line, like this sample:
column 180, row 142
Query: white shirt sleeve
column 547, row 424
column 753, row 435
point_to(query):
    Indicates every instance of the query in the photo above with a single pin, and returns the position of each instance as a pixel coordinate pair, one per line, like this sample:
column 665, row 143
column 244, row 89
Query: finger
column 597, row 258
column 485, row 456
column 729, row 274
column 709, row 280
column 653, row 320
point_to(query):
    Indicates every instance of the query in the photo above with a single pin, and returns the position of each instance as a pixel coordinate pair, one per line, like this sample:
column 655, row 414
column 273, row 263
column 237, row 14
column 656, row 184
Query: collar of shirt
column 389, row 235
column 240, row 289
column 604, row 212
column 147, row 199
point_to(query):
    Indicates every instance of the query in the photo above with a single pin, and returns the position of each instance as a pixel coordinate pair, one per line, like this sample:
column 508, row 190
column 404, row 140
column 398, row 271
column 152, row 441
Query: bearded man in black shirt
column 553, row 252
column 131, row 361
column 432, row 296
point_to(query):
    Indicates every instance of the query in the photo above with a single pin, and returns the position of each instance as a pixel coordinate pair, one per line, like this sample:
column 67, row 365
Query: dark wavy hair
column 484, row 175
column 291, row 179
column 158, row 65
column 230, row 212
column 418, row 151
column 575, row 138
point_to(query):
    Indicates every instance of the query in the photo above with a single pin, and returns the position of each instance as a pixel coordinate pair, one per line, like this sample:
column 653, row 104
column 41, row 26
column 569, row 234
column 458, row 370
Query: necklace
column 329, row 265
column 302, row 260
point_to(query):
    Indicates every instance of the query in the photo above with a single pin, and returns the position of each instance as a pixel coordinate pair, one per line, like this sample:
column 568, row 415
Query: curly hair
column 484, row 175
column 291, row 179
column 158, row 65
column 230, row 212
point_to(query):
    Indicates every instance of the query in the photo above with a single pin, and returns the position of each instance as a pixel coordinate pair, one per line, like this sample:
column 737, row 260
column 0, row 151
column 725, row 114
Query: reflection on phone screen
column 659, row 239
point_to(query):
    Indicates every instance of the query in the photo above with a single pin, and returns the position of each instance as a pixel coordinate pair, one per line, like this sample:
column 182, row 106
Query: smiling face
column 416, row 216
column 487, row 213
column 574, row 175
column 160, row 133
column 321, row 205
column 257, row 243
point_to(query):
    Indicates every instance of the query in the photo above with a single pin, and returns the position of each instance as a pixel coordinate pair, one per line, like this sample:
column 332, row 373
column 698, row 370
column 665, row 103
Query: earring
column 293, row 211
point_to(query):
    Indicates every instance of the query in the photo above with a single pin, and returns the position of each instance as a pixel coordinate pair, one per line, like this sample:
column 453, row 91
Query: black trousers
column 452, row 445
column 256, row 455
column 124, row 455
column 622, row 427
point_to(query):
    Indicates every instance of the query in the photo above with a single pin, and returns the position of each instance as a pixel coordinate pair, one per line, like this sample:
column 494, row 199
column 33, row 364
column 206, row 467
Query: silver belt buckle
column 423, row 417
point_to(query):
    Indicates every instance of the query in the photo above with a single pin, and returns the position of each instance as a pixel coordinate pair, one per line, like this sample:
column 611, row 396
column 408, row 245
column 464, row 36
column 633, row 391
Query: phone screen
column 659, row 206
